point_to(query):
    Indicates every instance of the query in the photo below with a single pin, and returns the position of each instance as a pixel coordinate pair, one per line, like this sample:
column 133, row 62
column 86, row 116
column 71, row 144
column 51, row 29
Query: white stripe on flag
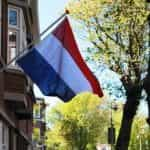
column 58, row 57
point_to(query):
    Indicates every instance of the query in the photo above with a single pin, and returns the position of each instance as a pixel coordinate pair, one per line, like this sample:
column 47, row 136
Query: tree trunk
column 125, row 131
column 133, row 93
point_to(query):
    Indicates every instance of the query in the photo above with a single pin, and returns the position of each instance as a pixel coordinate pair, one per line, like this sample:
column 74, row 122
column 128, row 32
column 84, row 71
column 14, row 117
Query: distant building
column 18, row 27
column 39, row 124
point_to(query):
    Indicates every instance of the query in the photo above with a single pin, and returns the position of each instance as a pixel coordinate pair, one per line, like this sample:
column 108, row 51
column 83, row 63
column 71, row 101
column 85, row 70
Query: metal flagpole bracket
column 67, row 11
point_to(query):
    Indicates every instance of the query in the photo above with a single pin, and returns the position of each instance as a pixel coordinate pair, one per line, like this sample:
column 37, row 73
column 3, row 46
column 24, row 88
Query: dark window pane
column 12, row 45
column 12, row 38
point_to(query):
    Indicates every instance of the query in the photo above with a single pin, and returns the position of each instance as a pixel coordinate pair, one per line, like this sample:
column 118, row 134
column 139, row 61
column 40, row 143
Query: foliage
column 117, row 29
column 78, row 124
column 140, row 136
column 70, row 121
column 36, row 135
column 113, row 87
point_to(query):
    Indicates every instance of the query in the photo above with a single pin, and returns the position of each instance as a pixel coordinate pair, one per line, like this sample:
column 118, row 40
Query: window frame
column 20, row 29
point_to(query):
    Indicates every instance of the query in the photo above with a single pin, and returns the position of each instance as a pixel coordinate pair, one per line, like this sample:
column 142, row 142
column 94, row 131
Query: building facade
column 18, row 27
column 39, row 115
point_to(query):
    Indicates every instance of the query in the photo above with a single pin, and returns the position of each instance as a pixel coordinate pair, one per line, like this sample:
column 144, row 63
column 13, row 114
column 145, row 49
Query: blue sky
column 49, row 11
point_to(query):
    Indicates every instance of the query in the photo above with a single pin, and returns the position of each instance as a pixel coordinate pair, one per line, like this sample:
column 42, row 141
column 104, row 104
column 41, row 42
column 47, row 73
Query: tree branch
column 107, row 35
column 96, row 45
column 96, row 30
column 100, row 39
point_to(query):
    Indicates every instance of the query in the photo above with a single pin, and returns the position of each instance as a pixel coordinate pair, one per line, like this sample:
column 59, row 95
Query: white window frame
column 20, row 28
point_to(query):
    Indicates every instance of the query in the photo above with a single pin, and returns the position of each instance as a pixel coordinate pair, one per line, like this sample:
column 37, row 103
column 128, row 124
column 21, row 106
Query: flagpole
column 26, row 49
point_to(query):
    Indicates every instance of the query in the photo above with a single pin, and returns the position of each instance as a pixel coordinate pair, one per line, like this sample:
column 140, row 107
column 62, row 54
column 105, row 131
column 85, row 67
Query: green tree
column 79, row 124
column 140, row 136
column 118, row 30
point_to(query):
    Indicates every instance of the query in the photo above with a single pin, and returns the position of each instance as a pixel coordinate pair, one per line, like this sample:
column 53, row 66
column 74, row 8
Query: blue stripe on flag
column 45, row 76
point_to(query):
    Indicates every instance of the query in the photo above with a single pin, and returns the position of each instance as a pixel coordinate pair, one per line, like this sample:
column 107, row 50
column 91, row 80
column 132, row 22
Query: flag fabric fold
column 57, row 67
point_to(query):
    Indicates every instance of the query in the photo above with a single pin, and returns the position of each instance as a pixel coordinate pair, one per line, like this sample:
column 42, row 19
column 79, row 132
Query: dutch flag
column 56, row 66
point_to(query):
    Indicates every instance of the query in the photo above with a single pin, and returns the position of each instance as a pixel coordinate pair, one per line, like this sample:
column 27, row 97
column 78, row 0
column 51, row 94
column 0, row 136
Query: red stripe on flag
column 65, row 35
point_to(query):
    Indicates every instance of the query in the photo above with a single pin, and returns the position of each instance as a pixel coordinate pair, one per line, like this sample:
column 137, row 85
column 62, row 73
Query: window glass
column 12, row 45
column 13, row 17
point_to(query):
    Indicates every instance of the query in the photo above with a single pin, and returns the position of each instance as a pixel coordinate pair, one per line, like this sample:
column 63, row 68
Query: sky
column 49, row 11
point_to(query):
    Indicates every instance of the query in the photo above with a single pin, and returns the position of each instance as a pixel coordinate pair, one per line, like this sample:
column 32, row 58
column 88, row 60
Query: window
column 16, row 32
column 13, row 17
